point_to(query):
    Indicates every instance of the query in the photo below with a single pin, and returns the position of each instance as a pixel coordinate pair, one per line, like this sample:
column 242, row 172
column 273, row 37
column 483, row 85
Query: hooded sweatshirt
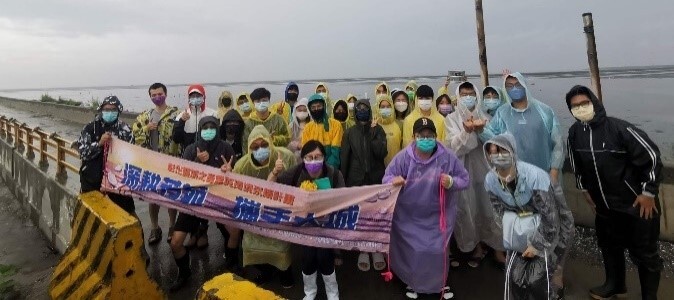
column 391, row 128
column 535, row 128
column 216, row 148
column 237, row 144
column 184, row 132
column 284, row 106
column 346, row 123
column 222, row 110
column 408, row 124
column 612, row 159
column 327, row 131
column 244, row 114
column 363, row 152
column 490, row 112
column 274, row 124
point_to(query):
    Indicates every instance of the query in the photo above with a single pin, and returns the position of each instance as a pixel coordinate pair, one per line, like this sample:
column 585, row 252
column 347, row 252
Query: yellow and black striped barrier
column 103, row 260
column 230, row 287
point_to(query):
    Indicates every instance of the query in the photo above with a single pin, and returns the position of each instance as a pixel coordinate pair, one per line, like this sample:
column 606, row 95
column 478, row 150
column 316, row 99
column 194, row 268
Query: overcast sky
column 52, row 43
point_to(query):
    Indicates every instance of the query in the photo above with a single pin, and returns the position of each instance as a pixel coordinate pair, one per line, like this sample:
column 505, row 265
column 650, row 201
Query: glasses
column 510, row 86
column 426, row 137
column 310, row 158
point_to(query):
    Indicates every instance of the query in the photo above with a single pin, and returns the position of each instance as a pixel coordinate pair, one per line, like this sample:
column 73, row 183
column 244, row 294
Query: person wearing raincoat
column 425, row 108
column 324, row 129
column 340, row 112
column 322, row 89
column 411, row 90
column 260, row 162
column 186, row 123
column 475, row 222
column 362, row 162
column 244, row 105
column 263, row 116
column 425, row 212
column 351, row 103
column 520, row 191
column 401, row 104
column 285, row 108
column 224, row 104
column 492, row 99
column 300, row 118
column 533, row 124
column 381, row 89
column 386, row 119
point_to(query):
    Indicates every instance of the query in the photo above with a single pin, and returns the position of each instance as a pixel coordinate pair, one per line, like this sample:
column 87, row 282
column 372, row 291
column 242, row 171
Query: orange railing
column 31, row 141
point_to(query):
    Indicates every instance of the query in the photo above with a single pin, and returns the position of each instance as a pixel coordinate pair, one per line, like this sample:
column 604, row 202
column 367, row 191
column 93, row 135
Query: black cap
column 424, row 123
column 424, row 91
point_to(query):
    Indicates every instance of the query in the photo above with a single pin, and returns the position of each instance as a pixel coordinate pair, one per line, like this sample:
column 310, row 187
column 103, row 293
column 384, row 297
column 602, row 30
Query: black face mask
column 341, row 116
column 317, row 115
column 292, row 97
column 227, row 102
column 233, row 129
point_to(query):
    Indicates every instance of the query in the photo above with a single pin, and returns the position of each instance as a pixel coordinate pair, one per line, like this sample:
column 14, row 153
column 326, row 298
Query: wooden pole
column 588, row 26
column 481, row 43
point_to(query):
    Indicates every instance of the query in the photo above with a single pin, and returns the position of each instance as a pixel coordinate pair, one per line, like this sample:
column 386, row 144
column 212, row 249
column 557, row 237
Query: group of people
column 480, row 167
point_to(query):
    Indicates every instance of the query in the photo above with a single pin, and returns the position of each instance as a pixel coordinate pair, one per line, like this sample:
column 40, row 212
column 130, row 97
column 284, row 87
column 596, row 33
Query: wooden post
column 588, row 26
column 481, row 43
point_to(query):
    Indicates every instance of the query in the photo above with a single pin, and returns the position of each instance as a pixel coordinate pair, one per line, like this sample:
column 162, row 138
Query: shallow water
column 642, row 96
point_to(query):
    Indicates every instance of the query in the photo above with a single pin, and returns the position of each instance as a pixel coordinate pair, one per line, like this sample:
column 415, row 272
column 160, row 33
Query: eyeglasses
column 510, row 86
column 310, row 158
column 427, row 137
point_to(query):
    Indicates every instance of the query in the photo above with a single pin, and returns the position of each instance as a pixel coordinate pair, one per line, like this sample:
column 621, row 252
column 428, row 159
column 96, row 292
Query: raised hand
column 202, row 156
column 278, row 166
column 152, row 126
column 468, row 125
column 185, row 115
column 226, row 164
column 105, row 138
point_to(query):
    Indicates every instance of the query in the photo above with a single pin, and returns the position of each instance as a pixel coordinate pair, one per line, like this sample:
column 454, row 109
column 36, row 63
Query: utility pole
column 588, row 27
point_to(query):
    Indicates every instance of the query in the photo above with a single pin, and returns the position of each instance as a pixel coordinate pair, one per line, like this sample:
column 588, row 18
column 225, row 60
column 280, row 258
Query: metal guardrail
column 36, row 141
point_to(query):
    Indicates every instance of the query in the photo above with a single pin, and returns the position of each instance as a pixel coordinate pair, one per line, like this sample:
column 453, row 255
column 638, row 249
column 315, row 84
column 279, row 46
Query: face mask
column 445, row 109
column 351, row 105
column 324, row 95
column 314, row 166
column 386, row 112
column 292, row 97
column 261, row 154
column 245, row 107
column 341, row 116
column 232, row 129
column 583, row 114
column 426, row 145
column 468, row 102
column 363, row 115
column 411, row 95
column 516, row 93
column 492, row 103
column 208, row 134
column 317, row 115
column 159, row 100
column 425, row 104
column 400, row 106
column 196, row 101
column 501, row 161
column 262, row 106
column 226, row 102
column 302, row 115
column 109, row 116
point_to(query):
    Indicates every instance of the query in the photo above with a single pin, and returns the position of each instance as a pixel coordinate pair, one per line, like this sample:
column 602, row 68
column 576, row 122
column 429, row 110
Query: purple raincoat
column 418, row 246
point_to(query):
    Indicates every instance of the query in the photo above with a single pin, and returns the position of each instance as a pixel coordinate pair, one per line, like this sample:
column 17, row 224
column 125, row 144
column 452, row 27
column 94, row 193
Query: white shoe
column 411, row 294
column 331, row 288
column 310, row 287
column 447, row 293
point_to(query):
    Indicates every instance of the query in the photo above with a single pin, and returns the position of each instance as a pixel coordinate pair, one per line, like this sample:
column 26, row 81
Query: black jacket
column 215, row 148
column 298, row 174
column 362, row 153
column 233, row 115
column 612, row 159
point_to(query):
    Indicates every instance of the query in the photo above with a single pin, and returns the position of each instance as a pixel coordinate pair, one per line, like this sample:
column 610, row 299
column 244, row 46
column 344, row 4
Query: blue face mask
column 517, row 93
column 261, row 154
column 492, row 103
column 426, row 145
column 109, row 116
column 363, row 115
column 208, row 134
column 468, row 101
column 386, row 112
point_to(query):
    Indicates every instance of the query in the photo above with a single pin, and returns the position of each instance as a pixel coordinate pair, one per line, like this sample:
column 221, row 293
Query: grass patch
column 6, row 282
column 46, row 98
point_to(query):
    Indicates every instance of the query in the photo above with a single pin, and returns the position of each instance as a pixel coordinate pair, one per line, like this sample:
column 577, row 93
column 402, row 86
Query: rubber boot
column 184, row 272
column 614, row 268
column 310, row 287
column 650, row 281
column 331, row 288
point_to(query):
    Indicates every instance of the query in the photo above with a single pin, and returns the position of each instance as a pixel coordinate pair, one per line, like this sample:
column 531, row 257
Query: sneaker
column 411, row 294
column 155, row 236
column 447, row 293
column 286, row 278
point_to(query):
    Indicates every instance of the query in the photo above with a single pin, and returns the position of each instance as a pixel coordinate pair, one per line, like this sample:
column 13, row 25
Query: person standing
column 286, row 107
column 424, row 109
column 324, row 129
column 274, row 123
column 619, row 169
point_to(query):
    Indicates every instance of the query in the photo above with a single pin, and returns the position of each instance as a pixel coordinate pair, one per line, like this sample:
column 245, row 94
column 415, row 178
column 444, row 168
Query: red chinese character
column 171, row 168
column 210, row 178
column 268, row 193
column 257, row 191
column 277, row 196
column 219, row 179
column 289, row 199
column 248, row 188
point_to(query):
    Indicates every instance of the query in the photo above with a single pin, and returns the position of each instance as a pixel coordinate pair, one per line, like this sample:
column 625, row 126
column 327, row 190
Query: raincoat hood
column 327, row 90
column 200, row 89
column 523, row 82
column 290, row 85
column 233, row 115
column 204, row 121
column 413, row 84
column 383, row 83
column 250, row 102
column 352, row 116
column 599, row 111
column 341, row 103
column 301, row 102
column 260, row 131
column 366, row 103
column 501, row 96
column 477, row 113
column 326, row 118
column 225, row 94
column 505, row 141
column 391, row 118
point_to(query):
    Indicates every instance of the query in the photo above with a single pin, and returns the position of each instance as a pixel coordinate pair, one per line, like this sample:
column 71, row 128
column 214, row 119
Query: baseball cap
column 196, row 88
column 424, row 123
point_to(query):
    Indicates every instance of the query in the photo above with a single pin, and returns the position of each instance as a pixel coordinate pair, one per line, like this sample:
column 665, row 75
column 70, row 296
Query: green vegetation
column 6, row 282
column 94, row 103
column 49, row 99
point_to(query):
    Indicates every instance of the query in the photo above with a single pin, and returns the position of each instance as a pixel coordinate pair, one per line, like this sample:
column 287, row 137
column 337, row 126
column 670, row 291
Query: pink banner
column 357, row 218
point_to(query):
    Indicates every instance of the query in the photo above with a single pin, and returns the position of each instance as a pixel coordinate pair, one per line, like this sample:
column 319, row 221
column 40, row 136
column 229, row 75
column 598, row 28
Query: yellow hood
column 225, row 94
column 236, row 102
column 327, row 90
column 378, row 115
column 383, row 83
column 260, row 131
column 413, row 84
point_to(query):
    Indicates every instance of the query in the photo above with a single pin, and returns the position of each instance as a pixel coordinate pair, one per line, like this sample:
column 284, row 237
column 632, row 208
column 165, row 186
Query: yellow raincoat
column 383, row 83
column 408, row 124
column 258, row 249
column 413, row 86
column 244, row 115
column 274, row 124
column 329, row 132
column 392, row 130
column 328, row 100
column 352, row 115
column 222, row 110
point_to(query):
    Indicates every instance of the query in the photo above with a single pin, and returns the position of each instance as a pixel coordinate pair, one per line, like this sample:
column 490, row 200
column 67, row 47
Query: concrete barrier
column 74, row 114
column 231, row 287
column 103, row 260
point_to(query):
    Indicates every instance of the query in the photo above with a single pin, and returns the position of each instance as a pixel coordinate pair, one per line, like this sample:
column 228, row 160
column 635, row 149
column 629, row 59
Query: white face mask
column 584, row 113
column 351, row 105
column 324, row 95
column 302, row 115
column 400, row 106
column 425, row 104
column 262, row 106
column 245, row 107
